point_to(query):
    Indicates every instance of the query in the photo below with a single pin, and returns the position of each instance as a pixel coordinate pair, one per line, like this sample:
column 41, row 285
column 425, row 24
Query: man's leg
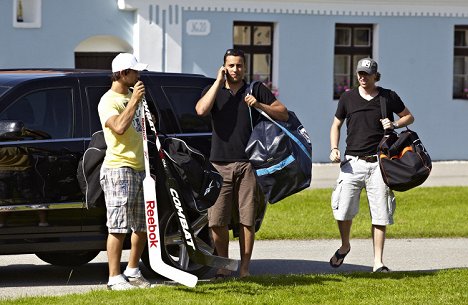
column 246, row 241
column 345, row 231
column 138, row 242
column 220, row 237
column 378, row 238
column 114, row 252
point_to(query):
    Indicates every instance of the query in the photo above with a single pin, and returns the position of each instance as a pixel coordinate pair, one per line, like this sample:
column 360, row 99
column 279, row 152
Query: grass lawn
column 420, row 213
column 443, row 287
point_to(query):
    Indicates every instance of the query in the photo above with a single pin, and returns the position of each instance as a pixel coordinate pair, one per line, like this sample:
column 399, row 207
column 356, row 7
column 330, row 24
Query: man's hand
column 221, row 74
column 250, row 100
column 335, row 155
column 386, row 124
column 138, row 92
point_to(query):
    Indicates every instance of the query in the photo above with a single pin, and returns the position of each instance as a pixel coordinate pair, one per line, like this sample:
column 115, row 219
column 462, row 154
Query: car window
column 183, row 101
column 45, row 113
column 94, row 94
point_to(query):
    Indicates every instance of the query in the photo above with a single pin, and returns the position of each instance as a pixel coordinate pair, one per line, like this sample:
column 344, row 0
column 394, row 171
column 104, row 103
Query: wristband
column 395, row 125
column 333, row 149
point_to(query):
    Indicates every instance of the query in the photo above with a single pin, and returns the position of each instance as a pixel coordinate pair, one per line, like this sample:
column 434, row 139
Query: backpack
column 281, row 155
column 200, row 183
column 403, row 159
column 89, row 167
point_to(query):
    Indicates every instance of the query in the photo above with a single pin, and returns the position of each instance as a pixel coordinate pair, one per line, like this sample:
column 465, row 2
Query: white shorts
column 355, row 175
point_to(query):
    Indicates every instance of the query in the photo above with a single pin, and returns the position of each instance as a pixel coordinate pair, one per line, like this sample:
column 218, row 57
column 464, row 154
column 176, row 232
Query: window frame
column 251, row 50
column 353, row 54
column 460, row 52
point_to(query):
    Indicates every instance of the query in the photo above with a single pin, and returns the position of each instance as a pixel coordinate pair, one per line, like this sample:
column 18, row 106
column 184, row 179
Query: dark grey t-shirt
column 364, row 129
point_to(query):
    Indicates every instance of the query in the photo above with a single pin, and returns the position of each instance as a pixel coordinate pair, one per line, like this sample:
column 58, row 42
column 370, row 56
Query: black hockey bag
column 89, row 168
column 403, row 159
column 199, row 181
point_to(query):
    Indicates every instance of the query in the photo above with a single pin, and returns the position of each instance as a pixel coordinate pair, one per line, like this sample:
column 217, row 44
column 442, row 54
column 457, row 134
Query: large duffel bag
column 281, row 155
column 200, row 183
column 403, row 159
column 88, row 171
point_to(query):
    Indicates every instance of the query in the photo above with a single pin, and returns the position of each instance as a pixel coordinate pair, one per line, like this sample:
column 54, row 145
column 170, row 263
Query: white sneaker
column 121, row 286
column 138, row 281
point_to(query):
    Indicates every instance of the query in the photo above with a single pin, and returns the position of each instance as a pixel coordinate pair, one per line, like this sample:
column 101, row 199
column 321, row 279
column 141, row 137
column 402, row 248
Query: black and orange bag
column 403, row 159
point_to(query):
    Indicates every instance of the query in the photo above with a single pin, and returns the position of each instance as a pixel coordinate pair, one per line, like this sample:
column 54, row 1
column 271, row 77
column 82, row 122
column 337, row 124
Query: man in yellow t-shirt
column 122, row 171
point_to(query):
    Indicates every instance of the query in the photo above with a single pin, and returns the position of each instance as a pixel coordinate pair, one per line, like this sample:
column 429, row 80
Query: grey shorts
column 356, row 175
column 123, row 192
column 237, row 192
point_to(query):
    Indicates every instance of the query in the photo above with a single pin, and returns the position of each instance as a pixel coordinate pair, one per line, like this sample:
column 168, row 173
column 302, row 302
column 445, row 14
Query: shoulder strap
column 249, row 91
column 383, row 104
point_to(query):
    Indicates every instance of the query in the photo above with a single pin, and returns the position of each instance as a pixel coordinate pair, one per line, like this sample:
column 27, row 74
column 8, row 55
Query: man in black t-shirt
column 228, row 104
column 360, row 107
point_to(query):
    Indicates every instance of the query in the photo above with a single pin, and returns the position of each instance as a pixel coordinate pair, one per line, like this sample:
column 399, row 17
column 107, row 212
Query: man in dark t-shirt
column 360, row 107
column 227, row 102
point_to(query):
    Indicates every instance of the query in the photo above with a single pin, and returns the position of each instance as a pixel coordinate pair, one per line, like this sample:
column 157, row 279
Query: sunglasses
column 234, row 52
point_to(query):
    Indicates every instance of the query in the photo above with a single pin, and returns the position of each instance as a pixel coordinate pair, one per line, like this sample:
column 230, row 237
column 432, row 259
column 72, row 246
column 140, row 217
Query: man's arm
column 406, row 118
column 335, row 139
column 120, row 123
column 206, row 102
column 276, row 110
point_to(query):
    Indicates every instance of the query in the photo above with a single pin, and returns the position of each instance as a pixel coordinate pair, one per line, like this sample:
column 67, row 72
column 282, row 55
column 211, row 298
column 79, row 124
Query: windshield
column 3, row 89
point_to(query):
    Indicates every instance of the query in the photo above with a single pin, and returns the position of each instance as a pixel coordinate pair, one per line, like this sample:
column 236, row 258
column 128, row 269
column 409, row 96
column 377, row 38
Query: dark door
column 38, row 185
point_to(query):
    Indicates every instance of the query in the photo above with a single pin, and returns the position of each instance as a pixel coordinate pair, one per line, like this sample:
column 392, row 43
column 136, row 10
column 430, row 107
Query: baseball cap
column 125, row 61
column 367, row 65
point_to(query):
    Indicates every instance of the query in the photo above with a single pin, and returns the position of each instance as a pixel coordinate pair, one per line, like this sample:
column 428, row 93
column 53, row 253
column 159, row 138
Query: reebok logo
column 208, row 189
column 151, row 224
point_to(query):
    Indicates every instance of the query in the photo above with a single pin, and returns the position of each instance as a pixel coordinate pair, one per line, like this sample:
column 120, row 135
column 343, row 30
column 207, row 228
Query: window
column 183, row 101
column 352, row 42
column 460, row 63
column 256, row 40
column 46, row 114
column 94, row 95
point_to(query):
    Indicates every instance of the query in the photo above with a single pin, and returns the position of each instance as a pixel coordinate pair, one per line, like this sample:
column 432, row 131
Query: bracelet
column 333, row 149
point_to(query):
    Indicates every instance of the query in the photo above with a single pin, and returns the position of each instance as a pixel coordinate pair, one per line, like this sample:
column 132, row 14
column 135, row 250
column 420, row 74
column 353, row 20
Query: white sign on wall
column 199, row 27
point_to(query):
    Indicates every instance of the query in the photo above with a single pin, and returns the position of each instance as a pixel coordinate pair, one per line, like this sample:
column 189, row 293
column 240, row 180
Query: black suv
column 47, row 118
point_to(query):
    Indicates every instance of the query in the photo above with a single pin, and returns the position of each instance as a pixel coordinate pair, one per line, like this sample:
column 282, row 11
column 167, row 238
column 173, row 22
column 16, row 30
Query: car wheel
column 68, row 259
column 174, row 251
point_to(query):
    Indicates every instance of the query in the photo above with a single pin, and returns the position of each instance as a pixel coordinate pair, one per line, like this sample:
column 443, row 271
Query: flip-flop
column 382, row 269
column 339, row 258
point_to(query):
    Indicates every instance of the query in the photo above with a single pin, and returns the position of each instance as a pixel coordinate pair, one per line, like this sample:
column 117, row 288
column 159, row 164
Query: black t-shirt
column 231, row 123
column 364, row 129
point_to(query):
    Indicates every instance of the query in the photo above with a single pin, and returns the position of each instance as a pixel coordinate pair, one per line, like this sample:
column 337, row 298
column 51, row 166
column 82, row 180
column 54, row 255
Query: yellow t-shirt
column 126, row 149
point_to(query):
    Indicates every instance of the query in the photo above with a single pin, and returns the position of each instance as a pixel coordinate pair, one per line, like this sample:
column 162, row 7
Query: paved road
column 27, row 275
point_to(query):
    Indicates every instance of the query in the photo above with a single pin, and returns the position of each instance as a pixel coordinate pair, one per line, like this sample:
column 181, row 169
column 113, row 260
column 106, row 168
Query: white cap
column 125, row 61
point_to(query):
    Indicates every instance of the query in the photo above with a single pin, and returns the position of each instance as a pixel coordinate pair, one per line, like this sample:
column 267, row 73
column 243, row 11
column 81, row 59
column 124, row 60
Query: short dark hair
column 234, row 52
column 116, row 75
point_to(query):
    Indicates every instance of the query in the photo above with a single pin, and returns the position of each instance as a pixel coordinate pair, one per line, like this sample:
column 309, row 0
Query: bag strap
column 285, row 130
column 249, row 91
column 383, row 105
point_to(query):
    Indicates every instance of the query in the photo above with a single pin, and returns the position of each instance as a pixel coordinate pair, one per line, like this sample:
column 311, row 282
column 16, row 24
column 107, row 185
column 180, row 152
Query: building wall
column 413, row 46
column 414, row 52
column 65, row 23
